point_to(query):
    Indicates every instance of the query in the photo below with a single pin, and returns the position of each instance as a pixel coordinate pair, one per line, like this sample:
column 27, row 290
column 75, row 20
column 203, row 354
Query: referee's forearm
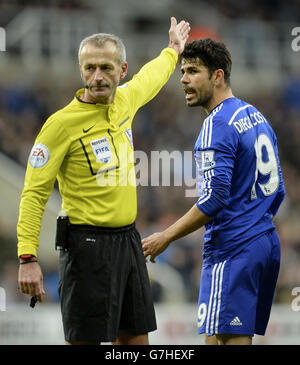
column 190, row 222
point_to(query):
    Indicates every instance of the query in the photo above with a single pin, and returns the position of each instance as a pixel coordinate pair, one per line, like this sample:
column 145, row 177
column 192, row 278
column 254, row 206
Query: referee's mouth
column 100, row 87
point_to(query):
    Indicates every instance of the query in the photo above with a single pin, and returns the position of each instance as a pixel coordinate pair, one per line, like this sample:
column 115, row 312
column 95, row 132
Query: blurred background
column 39, row 71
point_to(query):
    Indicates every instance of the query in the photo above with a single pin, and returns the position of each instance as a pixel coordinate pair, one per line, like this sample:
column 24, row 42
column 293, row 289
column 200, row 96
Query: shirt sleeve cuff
column 27, row 249
column 172, row 52
column 210, row 207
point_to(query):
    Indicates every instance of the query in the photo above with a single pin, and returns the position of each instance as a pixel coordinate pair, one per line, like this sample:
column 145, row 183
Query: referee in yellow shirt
column 87, row 146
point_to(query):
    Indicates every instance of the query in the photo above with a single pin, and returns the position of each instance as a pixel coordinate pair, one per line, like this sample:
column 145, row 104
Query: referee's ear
column 123, row 70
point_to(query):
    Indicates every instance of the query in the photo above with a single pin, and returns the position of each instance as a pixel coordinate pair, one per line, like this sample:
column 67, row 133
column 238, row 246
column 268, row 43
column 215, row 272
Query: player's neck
column 218, row 98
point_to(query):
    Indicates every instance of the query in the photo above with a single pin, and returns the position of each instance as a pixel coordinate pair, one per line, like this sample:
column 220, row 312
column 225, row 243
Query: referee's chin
column 99, row 97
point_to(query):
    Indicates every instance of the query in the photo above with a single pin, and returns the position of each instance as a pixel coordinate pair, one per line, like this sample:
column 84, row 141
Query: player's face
column 197, row 84
column 101, row 71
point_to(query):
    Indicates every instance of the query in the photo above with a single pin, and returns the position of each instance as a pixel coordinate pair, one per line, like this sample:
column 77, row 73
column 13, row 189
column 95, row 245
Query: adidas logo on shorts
column 236, row 322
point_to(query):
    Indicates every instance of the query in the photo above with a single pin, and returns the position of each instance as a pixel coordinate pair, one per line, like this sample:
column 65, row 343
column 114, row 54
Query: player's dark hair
column 213, row 54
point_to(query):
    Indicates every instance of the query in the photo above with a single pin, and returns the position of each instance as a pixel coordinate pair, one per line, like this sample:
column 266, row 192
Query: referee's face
column 197, row 84
column 101, row 72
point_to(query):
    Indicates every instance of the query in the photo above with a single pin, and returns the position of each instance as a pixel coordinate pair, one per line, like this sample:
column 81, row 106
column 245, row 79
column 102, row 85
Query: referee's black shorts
column 104, row 286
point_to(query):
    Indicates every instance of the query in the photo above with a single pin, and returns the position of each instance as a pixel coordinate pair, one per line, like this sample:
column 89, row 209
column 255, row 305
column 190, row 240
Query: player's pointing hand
column 154, row 245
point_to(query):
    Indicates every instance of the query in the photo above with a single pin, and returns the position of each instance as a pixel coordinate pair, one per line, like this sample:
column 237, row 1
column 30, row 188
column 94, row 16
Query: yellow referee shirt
column 88, row 148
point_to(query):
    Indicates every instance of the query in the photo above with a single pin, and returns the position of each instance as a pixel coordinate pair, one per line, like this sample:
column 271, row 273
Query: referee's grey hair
column 99, row 39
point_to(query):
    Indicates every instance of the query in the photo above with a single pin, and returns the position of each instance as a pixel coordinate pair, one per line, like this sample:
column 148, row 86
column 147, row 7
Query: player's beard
column 202, row 96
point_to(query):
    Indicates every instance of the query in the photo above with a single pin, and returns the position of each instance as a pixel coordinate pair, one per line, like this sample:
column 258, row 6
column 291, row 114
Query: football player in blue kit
column 240, row 190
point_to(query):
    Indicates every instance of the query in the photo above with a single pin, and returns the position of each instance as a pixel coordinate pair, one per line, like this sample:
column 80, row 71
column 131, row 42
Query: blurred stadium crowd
column 166, row 124
column 266, row 9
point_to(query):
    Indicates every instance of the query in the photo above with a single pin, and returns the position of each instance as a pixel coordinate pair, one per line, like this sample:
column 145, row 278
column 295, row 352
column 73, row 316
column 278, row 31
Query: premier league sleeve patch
column 208, row 161
column 39, row 155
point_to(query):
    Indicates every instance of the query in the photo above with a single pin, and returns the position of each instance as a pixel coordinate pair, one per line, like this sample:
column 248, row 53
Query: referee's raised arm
column 155, row 74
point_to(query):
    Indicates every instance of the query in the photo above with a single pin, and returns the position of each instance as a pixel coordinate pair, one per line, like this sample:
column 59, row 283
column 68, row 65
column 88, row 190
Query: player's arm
column 158, row 242
column 155, row 74
column 215, row 192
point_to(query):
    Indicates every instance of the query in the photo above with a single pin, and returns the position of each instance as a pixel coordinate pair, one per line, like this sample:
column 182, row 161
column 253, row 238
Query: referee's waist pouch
column 62, row 230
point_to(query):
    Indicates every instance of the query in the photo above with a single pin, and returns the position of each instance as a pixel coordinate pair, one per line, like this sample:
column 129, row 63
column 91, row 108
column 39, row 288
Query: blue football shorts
column 236, row 294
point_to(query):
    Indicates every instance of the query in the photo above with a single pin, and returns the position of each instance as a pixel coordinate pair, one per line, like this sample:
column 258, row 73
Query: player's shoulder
column 217, row 123
column 228, row 110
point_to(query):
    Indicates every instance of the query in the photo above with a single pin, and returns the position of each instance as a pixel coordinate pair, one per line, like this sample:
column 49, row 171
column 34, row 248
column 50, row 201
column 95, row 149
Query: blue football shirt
column 239, row 176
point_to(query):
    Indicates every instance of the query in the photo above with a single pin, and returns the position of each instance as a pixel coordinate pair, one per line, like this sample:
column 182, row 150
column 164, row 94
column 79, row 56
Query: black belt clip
column 62, row 230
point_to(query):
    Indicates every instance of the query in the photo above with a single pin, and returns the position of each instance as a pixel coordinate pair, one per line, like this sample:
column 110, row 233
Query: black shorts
column 104, row 286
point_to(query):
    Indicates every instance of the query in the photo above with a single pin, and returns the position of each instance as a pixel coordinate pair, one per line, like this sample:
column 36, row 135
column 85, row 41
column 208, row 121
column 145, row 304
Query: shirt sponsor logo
column 39, row 155
column 208, row 161
column 101, row 149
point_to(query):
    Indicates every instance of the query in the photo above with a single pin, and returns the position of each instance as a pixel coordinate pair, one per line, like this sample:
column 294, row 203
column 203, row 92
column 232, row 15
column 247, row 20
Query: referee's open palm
column 178, row 35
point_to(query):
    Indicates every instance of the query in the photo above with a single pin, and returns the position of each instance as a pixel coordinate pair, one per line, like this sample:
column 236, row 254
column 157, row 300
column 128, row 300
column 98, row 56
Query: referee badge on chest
column 101, row 149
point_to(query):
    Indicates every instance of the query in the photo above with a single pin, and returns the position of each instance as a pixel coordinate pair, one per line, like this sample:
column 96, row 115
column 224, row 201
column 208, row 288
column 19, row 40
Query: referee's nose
column 98, row 77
